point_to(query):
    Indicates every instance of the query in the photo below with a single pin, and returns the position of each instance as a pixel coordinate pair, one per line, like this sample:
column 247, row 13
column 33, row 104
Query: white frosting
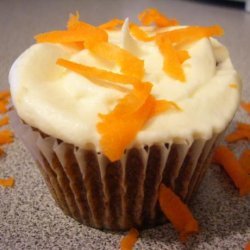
column 66, row 105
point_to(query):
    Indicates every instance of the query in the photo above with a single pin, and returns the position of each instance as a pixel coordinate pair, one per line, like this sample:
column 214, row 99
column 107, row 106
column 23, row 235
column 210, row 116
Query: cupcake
column 111, row 112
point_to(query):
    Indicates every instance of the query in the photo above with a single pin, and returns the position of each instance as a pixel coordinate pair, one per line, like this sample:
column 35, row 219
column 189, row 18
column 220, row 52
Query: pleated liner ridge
column 115, row 195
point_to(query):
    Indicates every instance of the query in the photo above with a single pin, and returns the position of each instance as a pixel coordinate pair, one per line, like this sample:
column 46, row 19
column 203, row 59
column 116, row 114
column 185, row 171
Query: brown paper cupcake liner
column 115, row 195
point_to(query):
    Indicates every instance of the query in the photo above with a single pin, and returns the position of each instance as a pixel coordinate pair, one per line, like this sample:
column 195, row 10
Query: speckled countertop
column 29, row 218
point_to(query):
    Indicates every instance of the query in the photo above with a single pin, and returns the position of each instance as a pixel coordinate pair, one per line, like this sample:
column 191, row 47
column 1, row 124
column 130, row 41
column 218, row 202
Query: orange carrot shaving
column 140, row 34
column 242, row 132
column 172, row 63
column 130, row 65
column 3, row 107
column 96, row 73
column 4, row 121
column 129, row 240
column 225, row 157
column 233, row 85
column 73, row 20
column 192, row 34
column 112, row 24
column 246, row 106
column 247, row 247
column 177, row 212
column 9, row 182
column 1, row 152
column 119, row 130
column 150, row 16
column 4, row 95
column 78, row 31
column 6, row 136
column 245, row 160
column 164, row 105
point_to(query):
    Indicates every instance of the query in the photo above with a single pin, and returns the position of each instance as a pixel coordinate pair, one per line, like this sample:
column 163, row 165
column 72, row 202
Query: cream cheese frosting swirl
column 66, row 105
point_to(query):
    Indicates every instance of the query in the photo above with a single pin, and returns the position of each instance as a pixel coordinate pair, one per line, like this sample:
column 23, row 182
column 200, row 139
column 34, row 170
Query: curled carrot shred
column 172, row 59
column 6, row 136
column 4, row 121
column 130, row 65
column 97, row 73
column 192, row 34
column 245, row 160
column 112, row 24
column 9, row 182
column 246, row 106
column 177, row 212
column 129, row 240
column 151, row 15
column 119, row 130
column 225, row 157
column 242, row 132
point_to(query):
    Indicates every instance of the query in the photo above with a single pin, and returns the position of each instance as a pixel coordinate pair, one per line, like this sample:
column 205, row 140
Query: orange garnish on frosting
column 173, row 59
column 6, row 136
column 153, row 16
column 88, row 71
column 9, row 182
column 112, row 24
column 1, row 152
column 245, row 160
column 139, row 33
column 242, row 132
column 77, row 32
column 119, row 129
column 225, row 157
column 129, row 240
column 4, row 121
column 246, row 106
column 192, row 34
column 130, row 65
column 177, row 212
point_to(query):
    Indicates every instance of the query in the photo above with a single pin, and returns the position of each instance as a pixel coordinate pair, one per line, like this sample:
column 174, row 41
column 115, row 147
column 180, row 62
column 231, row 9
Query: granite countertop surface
column 29, row 218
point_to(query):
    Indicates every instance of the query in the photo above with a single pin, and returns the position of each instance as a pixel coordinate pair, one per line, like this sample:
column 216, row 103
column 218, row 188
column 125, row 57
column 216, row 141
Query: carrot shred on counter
column 129, row 240
column 3, row 107
column 130, row 65
column 247, row 247
column 246, row 106
column 225, row 157
column 88, row 71
column 9, row 182
column 111, row 24
column 245, row 160
column 1, row 152
column 4, row 121
column 172, row 59
column 192, row 33
column 4, row 95
column 6, row 136
column 151, row 15
column 177, row 212
column 242, row 132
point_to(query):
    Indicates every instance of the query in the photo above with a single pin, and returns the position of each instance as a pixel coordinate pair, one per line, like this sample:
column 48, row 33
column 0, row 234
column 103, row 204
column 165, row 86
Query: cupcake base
column 116, row 195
